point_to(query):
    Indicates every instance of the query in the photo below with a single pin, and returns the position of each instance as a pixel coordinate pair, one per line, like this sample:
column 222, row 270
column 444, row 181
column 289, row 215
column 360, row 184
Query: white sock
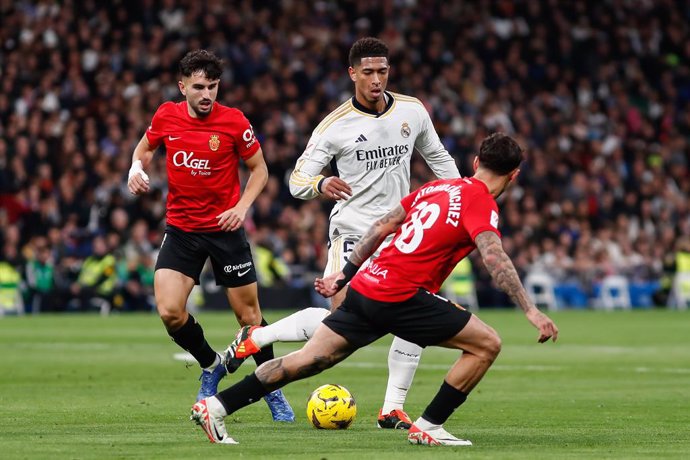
column 215, row 364
column 403, row 359
column 216, row 407
column 298, row 327
column 425, row 425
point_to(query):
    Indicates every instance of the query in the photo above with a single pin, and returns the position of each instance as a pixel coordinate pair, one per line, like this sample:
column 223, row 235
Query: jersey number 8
column 412, row 232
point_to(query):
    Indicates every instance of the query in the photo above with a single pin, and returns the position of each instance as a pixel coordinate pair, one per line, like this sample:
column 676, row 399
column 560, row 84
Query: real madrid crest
column 405, row 130
column 214, row 142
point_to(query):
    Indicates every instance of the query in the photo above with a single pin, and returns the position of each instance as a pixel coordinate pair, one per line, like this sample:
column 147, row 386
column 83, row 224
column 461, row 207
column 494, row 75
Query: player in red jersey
column 204, row 142
column 434, row 228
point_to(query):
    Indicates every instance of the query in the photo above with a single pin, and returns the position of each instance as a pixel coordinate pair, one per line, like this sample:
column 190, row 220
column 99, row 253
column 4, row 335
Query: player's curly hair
column 204, row 61
column 367, row 47
column 500, row 154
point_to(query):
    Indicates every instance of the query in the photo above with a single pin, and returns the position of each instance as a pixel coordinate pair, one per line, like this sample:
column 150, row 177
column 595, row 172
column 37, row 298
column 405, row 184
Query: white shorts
column 340, row 249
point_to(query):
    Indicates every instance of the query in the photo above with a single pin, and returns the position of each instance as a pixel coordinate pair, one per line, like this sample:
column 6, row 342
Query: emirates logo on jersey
column 214, row 142
column 405, row 130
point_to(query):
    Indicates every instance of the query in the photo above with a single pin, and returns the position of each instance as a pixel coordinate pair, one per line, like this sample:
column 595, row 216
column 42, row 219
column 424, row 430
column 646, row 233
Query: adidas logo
column 361, row 138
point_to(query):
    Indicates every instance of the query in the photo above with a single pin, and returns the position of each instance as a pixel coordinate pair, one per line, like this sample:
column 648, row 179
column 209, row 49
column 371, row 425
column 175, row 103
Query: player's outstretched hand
column 547, row 328
column 336, row 189
column 327, row 286
column 232, row 219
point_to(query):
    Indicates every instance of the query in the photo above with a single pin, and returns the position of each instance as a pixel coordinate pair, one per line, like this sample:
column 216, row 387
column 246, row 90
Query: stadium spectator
column 271, row 270
column 97, row 280
column 11, row 298
column 40, row 278
column 676, row 289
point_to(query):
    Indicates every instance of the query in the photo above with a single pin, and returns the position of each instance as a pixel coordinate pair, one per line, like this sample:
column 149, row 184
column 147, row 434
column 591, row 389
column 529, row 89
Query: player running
column 204, row 142
column 435, row 227
column 371, row 137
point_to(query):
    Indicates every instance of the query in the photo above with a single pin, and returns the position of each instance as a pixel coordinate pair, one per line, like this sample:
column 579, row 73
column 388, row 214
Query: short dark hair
column 367, row 47
column 204, row 61
column 500, row 154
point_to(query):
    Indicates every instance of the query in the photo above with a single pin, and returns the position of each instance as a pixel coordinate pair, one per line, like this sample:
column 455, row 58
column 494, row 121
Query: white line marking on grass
column 666, row 370
column 498, row 367
column 53, row 346
column 189, row 359
column 513, row 368
column 185, row 357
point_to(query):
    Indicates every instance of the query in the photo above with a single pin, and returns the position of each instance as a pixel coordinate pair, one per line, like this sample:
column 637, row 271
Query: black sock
column 266, row 353
column 245, row 392
column 191, row 338
column 444, row 403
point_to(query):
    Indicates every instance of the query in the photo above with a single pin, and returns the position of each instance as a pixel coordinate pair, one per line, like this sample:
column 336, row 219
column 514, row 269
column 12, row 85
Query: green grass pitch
column 616, row 385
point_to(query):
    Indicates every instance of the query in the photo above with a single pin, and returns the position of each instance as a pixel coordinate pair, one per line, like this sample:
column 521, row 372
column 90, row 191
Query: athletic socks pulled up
column 298, row 327
column 403, row 359
column 191, row 338
column 444, row 404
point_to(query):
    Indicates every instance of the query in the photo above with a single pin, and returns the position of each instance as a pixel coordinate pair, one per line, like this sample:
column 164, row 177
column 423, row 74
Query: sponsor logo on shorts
column 241, row 269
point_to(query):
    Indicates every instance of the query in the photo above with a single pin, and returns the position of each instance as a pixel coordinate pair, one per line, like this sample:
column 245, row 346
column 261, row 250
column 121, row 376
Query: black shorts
column 424, row 319
column 186, row 252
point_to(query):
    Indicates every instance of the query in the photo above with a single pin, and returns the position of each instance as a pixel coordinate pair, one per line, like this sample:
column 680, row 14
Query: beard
column 200, row 112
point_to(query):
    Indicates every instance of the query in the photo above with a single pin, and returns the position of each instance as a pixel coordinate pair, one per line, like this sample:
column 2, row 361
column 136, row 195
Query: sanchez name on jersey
column 443, row 218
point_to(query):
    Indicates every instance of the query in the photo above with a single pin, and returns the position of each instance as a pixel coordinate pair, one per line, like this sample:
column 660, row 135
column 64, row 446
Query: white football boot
column 435, row 436
column 207, row 413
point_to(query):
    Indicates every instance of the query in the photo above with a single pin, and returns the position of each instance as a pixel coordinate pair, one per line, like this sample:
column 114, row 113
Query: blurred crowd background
column 598, row 93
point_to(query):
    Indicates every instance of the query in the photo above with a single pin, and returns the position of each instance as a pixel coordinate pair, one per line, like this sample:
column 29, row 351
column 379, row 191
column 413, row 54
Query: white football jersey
column 372, row 154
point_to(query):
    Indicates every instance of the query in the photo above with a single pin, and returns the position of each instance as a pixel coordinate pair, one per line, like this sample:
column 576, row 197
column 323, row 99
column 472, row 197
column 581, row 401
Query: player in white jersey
column 371, row 137
column 372, row 152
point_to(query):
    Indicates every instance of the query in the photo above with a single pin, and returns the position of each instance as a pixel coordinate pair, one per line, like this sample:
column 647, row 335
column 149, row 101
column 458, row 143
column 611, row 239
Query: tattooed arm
column 503, row 272
column 364, row 248
column 501, row 269
column 378, row 232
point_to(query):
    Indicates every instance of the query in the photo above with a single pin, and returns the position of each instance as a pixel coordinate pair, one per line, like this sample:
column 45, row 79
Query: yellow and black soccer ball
column 331, row 407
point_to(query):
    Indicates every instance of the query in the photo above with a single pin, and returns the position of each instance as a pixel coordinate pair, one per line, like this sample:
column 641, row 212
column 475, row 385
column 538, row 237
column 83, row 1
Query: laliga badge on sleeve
column 494, row 219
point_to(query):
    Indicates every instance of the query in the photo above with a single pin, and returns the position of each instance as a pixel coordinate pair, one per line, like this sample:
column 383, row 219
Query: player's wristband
column 319, row 184
column 137, row 168
column 349, row 270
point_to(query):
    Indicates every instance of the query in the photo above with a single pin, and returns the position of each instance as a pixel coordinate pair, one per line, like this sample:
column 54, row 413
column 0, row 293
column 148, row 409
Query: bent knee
column 173, row 318
column 248, row 316
column 491, row 345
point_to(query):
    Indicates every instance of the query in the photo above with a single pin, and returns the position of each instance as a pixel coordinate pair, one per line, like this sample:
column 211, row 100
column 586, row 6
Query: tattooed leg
column 321, row 352
column 324, row 349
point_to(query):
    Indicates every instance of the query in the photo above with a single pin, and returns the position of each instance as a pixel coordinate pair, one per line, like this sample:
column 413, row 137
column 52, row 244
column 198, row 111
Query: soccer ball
column 331, row 407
